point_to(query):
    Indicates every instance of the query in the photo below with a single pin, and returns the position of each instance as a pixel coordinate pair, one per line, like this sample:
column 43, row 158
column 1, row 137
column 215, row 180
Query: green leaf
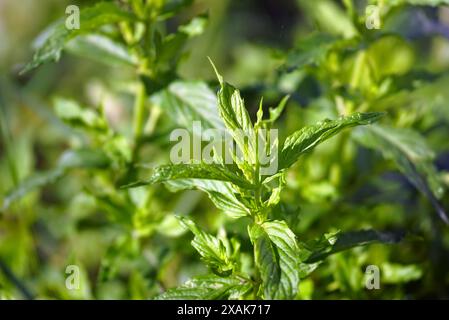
column 122, row 248
column 425, row 101
column 196, row 26
column 170, row 226
column 54, row 40
column 277, row 259
column 393, row 273
column 432, row 3
column 236, row 118
column 82, row 158
column 74, row 115
column 275, row 113
column 116, row 209
column 214, row 179
column 232, row 107
column 214, row 251
column 101, row 49
column 390, row 55
column 310, row 51
column 330, row 17
column 331, row 243
column 208, row 288
column 31, row 183
column 193, row 171
column 169, row 49
column 229, row 204
column 409, row 150
column 309, row 137
column 188, row 101
column 221, row 194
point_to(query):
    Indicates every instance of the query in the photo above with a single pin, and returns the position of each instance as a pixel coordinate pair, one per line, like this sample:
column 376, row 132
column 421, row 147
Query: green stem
column 9, row 274
column 6, row 136
column 127, row 32
column 256, row 179
column 258, row 215
column 139, row 116
column 257, row 279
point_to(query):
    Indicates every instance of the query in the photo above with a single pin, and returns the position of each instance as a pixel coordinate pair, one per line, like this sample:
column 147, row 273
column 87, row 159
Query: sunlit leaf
column 212, row 249
column 193, row 171
column 393, row 273
column 309, row 137
column 236, row 118
column 415, row 2
column 208, row 288
column 277, row 259
column 188, row 101
column 222, row 194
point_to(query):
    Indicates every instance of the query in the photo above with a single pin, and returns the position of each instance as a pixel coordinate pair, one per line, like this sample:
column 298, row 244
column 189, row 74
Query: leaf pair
column 276, row 257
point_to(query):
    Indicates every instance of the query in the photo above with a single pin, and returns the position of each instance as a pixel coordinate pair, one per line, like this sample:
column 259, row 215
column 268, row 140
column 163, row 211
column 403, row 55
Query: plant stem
column 6, row 136
column 14, row 280
column 258, row 193
column 139, row 117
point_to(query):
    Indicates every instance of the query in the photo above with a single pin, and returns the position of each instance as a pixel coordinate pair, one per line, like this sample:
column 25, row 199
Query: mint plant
column 242, row 191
